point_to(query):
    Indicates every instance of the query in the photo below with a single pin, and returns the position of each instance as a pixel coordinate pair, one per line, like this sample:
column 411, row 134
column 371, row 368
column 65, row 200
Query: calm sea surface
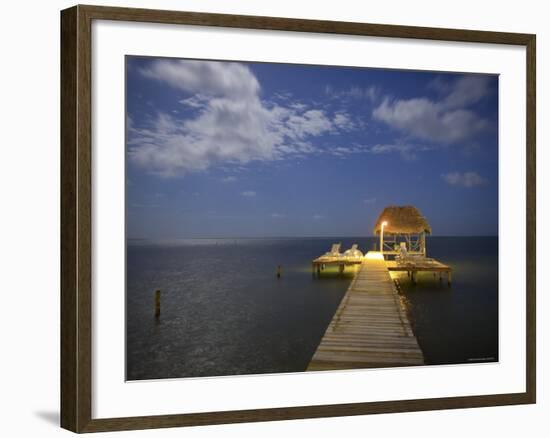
column 225, row 312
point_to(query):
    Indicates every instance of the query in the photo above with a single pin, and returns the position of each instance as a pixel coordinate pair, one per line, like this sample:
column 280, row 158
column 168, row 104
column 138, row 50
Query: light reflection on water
column 225, row 312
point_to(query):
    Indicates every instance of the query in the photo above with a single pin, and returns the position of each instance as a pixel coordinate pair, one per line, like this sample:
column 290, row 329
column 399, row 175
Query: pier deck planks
column 370, row 327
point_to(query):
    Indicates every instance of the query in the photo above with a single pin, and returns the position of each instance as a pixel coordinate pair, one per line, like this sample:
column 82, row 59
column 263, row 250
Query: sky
column 243, row 149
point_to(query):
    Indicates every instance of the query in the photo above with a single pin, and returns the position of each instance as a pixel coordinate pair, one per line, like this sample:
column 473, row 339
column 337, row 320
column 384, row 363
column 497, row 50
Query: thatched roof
column 402, row 219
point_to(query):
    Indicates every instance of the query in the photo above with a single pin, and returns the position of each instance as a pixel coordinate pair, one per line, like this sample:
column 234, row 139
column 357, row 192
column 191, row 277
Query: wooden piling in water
column 157, row 303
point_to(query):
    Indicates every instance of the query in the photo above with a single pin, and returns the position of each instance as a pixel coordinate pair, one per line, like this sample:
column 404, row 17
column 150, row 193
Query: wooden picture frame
column 76, row 217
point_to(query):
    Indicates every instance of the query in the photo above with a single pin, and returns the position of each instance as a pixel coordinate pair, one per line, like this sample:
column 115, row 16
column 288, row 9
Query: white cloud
column 214, row 78
column 342, row 120
column 370, row 93
column 407, row 151
column 440, row 85
column 230, row 124
column 341, row 151
column 318, row 217
column 446, row 121
column 277, row 215
column 196, row 101
column 282, row 95
column 466, row 91
column 298, row 106
column 248, row 193
column 466, row 179
column 311, row 122
column 229, row 179
column 387, row 148
column 369, row 200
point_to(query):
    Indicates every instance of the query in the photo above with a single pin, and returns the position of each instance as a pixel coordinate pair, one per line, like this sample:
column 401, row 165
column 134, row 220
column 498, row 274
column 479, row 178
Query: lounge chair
column 334, row 251
column 353, row 252
column 404, row 257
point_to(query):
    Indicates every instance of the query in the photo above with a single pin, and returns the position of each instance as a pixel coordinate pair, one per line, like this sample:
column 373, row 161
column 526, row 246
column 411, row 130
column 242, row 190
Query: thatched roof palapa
column 402, row 220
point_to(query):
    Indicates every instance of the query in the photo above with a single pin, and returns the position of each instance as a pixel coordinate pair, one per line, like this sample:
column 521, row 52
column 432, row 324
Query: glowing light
column 374, row 255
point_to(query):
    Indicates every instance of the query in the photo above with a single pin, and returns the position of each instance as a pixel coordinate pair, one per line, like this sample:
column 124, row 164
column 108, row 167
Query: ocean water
column 225, row 312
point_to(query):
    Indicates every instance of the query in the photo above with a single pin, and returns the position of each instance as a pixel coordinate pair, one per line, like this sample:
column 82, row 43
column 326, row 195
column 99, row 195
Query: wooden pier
column 370, row 327
column 412, row 269
column 319, row 263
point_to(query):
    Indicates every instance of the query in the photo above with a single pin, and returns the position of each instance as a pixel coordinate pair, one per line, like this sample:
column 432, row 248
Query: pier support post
column 278, row 271
column 341, row 268
column 157, row 303
column 449, row 278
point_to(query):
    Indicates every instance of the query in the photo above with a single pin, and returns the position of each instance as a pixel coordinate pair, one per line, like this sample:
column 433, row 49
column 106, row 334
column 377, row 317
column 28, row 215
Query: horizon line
column 299, row 237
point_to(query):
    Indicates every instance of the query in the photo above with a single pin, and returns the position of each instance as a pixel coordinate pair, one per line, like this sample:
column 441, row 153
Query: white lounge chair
column 334, row 251
column 353, row 252
column 405, row 257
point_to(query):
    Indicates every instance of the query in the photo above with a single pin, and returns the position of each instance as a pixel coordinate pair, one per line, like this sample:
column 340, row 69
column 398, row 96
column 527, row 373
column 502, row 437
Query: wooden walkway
column 370, row 328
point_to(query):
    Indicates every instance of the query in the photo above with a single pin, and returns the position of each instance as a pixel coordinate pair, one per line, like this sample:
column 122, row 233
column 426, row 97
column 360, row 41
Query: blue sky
column 226, row 149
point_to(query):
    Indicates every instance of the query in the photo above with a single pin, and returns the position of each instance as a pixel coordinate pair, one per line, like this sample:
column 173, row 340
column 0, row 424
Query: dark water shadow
column 51, row 417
